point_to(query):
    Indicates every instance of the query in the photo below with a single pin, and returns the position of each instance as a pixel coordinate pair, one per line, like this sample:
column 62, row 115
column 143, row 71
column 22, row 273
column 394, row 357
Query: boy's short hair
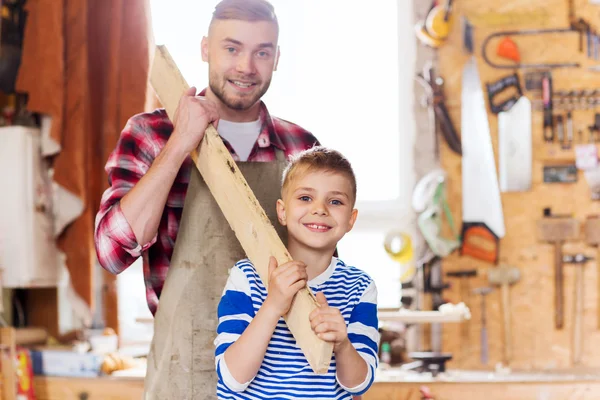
column 318, row 158
column 245, row 10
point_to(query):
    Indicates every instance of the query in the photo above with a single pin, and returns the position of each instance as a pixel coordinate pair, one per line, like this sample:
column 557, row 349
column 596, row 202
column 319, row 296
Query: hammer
column 557, row 230
column 577, row 340
column 483, row 291
column 504, row 276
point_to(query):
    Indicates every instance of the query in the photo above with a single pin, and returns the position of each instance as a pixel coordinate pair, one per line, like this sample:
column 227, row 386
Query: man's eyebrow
column 230, row 40
column 266, row 45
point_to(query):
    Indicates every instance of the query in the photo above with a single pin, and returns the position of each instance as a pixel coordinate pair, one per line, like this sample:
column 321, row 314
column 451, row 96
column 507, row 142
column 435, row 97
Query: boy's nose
column 319, row 208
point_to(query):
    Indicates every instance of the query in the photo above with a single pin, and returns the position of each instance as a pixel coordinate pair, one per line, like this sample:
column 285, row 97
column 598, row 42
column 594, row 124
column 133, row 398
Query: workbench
column 390, row 385
column 104, row 388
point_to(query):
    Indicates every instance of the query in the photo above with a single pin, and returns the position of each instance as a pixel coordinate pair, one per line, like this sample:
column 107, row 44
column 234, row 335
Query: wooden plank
column 242, row 210
column 9, row 374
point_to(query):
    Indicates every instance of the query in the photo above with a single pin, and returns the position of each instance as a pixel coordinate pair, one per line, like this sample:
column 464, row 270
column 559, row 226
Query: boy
column 255, row 352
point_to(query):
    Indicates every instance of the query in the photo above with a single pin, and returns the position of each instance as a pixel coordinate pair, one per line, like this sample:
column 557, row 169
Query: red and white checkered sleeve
column 116, row 245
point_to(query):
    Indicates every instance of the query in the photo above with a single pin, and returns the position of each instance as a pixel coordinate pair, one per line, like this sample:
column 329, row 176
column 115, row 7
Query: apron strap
column 280, row 155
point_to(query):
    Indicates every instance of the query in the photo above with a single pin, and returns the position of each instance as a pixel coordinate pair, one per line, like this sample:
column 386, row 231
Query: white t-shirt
column 241, row 135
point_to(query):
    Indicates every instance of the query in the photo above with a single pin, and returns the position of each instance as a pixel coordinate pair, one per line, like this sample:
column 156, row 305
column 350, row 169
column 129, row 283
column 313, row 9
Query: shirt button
column 263, row 140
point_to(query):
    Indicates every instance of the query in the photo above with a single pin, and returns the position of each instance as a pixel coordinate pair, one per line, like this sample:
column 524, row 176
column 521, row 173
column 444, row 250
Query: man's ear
column 277, row 58
column 281, row 212
column 204, row 48
column 352, row 219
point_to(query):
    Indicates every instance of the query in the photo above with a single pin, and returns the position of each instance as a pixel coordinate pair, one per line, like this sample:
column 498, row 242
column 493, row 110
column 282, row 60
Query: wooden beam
column 8, row 359
column 242, row 210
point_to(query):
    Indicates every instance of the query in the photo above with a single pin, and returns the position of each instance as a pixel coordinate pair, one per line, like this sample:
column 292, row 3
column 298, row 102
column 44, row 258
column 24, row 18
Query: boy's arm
column 243, row 337
column 357, row 358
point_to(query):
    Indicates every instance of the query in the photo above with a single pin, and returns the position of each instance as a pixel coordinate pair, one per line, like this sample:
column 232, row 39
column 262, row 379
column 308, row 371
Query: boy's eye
column 304, row 198
column 336, row 202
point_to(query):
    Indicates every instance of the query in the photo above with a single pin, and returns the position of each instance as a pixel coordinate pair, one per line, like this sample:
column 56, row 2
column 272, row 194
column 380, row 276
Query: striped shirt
column 285, row 372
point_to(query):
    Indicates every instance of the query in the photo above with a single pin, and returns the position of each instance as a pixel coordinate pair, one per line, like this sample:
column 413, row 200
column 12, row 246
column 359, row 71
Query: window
column 346, row 74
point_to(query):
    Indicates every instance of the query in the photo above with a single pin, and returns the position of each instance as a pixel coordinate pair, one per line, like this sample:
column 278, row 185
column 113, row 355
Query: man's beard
column 241, row 102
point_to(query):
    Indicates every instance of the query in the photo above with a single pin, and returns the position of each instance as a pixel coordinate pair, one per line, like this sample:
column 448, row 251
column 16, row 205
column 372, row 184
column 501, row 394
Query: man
column 151, row 176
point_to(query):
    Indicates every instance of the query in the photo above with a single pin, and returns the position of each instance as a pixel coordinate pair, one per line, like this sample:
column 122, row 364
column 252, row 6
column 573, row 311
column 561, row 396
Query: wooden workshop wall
column 536, row 342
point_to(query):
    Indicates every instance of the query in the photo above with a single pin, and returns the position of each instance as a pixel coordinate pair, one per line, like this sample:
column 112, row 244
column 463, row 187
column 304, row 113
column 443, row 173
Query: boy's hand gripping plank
column 242, row 210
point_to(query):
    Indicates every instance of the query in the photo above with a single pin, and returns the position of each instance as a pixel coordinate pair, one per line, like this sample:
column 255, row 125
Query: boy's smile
column 317, row 208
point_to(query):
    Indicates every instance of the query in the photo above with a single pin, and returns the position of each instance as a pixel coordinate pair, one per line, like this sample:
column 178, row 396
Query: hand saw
column 482, row 206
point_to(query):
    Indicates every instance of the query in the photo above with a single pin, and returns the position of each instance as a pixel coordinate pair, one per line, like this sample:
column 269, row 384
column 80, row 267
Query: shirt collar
column 268, row 135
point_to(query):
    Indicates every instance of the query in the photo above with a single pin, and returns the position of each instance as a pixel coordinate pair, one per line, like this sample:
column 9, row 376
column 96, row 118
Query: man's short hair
column 245, row 10
column 319, row 158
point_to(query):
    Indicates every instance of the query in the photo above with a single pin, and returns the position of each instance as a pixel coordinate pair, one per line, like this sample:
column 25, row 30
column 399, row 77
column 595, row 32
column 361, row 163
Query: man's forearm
column 352, row 369
column 245, row 356
column 143, row 206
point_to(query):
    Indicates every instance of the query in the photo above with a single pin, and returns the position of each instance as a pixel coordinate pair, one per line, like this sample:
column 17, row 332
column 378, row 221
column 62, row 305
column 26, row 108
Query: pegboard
column 536, row 344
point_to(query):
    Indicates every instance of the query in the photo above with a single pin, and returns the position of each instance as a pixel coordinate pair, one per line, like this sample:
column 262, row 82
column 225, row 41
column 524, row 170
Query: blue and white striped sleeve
column 364, row 335
column 235, row 313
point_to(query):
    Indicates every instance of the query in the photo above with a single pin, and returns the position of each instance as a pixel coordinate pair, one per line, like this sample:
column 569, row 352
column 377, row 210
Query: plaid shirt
column 141, row 141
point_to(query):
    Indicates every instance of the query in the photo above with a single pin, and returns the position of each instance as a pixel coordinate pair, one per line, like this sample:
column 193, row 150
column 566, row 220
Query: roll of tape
column 402, row 253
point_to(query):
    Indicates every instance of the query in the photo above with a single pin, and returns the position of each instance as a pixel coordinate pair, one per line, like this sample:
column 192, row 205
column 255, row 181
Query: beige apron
column 181, row 359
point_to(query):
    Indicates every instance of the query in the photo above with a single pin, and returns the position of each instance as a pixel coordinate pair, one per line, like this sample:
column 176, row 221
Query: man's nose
column 245, row 64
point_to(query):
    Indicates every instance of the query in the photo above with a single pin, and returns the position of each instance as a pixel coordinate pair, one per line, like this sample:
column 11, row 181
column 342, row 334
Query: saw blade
column 481, row 195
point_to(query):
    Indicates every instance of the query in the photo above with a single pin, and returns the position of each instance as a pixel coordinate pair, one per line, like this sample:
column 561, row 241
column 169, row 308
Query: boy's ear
column 352, row 219
column 281, row 212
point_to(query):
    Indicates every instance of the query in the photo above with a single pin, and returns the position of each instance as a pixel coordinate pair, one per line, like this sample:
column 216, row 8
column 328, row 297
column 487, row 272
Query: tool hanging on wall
column 522, row 33
column 463, row 276
column 514, row 133
column 483, row 219
column 570, row 100
column 505, row 276
column 592, row 238
column 569, row 141
column 436, row 100
column 557, row 230
column 579, row 261
column 434, row 30
column 484, row 352
column 547, row 99
column 499, row 87
column 435, row 286
column 508, row 49
column 560, row 173
column 429, row 202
